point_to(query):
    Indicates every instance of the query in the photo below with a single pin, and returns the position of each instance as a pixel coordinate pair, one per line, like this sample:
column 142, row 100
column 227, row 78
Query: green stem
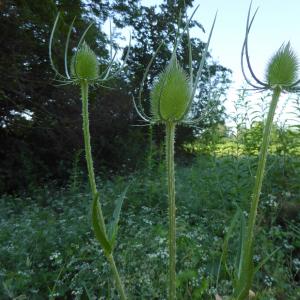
column 87, row 145
column 118, row 281
column 91, row 174
column 170, row 136
column 246, row 275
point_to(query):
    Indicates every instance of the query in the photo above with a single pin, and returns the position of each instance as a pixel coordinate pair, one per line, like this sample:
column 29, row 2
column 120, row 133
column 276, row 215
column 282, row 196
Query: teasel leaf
column 113, row 226
column 98, row 230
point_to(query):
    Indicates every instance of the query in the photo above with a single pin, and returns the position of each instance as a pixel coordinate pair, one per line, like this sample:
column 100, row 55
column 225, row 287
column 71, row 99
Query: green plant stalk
column 89, row 160
column 114, row 269
column 170, row 136
column 246, row 274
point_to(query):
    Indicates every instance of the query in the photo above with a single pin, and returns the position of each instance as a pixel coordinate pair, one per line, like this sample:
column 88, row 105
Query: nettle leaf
column 113, row 226
column 98, row 230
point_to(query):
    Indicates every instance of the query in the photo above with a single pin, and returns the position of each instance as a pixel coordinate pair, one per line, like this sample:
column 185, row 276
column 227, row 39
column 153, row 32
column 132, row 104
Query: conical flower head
column 283, row 67
column 171, row 94
column 84, row 64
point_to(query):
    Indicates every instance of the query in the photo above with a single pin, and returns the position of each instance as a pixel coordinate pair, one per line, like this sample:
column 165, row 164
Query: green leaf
column 99, row 232
column 113, row 226
column 245, row 273
column 87, row 292
column 203, row 287
column 265, row 260
column 229, row 234
column 241, row 243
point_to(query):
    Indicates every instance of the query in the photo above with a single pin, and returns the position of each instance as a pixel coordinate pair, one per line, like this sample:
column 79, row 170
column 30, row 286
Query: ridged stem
column 92, row 180
column 170, row 136
column 246, row 274
column 118, row 281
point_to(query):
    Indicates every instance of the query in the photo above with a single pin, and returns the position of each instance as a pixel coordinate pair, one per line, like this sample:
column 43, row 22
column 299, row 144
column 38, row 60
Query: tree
column 40, row 128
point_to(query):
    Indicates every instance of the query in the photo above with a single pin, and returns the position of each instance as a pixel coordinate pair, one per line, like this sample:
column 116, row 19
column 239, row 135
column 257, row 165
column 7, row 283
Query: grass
column 47, row 248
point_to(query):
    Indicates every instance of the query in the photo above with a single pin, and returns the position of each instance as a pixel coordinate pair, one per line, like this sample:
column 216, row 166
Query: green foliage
column 67, row 259
column 45, row 251
column 99, row 231
column 43, row 122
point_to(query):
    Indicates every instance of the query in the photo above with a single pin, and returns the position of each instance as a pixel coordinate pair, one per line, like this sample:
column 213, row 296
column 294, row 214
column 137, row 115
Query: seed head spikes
column 84, row 63
column 281, row 71
column 172, row 94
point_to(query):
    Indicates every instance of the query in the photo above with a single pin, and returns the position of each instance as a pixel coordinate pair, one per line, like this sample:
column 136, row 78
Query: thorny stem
column 118, row 281
column 87, row 144
column 89, row 160
column 246, row 276
column 170, row 135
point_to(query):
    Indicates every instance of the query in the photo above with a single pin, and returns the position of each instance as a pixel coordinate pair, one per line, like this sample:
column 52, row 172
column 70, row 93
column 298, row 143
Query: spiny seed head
column 84, row 64
column 283, row 67
column 171, row 94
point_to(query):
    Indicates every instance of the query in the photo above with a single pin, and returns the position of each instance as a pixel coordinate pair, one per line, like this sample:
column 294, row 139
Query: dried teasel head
column 282, row 69
column 171, row 94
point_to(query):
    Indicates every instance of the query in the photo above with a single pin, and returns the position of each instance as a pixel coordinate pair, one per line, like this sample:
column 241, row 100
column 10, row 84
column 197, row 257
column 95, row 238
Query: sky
column 276, row 22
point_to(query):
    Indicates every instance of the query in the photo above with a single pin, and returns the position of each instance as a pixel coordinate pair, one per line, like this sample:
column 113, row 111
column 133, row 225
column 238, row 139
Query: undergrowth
column 48, row 249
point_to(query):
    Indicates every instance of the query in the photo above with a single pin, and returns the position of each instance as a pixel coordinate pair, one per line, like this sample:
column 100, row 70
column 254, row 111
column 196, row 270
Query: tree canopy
column 40, row 130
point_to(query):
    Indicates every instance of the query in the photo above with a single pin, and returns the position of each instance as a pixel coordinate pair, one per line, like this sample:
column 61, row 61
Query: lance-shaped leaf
column 113, row 226
column 245, row 274
column 99, row 232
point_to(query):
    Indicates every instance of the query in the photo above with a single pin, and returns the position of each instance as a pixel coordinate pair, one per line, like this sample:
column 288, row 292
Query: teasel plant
column 171, row 98
column 84, row 71
column 281, row 77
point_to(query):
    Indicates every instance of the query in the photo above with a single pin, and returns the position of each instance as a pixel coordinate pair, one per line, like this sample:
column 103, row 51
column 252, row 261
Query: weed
column 84, row 71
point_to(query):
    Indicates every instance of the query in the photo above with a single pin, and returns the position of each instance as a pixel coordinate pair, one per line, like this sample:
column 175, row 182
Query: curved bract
column 84, row 64
column 282, row 69
column 173, row 92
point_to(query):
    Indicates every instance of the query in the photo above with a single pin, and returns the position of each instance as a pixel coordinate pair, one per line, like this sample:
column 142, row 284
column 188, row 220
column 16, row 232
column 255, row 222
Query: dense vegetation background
column 44, row 250
column 40, row 132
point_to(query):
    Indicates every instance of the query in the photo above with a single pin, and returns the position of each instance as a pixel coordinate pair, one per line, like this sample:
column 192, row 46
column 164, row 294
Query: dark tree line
column 40, row 124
